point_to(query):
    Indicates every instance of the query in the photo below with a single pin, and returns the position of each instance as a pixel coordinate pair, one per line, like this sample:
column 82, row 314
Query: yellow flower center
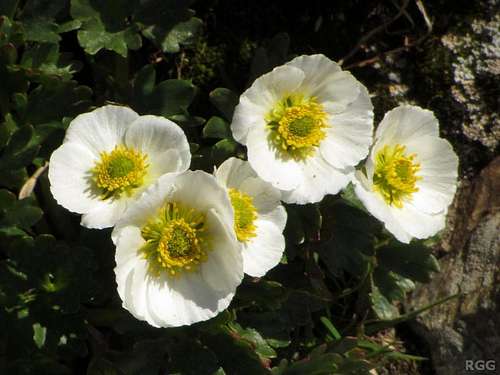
column 245, row 215
column 395, row 175
column 297, row 126
column 119, row 171
column 176, row 240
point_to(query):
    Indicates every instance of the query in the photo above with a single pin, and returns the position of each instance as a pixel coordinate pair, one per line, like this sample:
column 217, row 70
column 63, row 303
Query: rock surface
column 467, row 327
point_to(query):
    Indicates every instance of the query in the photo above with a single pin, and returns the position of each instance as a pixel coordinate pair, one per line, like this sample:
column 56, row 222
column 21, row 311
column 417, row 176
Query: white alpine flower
column 259, row 217
column 411, row 174
column 306, row 124
column 178, row 261
column 108, row 158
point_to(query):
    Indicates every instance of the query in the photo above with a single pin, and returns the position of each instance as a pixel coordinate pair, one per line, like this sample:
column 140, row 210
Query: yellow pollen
column 395, row 175
column 176, row 240
column 119, row 171
column 245, row 215
column 297, row 126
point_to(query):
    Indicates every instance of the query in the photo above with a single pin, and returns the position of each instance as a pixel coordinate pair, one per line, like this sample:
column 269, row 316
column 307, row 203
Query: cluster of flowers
column 185, row 238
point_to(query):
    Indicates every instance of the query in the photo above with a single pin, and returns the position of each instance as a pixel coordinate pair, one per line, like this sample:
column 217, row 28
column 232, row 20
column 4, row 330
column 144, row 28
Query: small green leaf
column 223, row 150
column 39, row 335
column 105, row 25
column 225, row 101
column 216, row 127
column 413, row 261
column 331, row 328
column 170, row 40
column 384, row 309
column 168, row 98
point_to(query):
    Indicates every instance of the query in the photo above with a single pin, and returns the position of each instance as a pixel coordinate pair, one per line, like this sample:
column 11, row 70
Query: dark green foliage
column 59, row 309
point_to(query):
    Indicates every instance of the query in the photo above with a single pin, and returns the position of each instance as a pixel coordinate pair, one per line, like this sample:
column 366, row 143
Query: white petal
column 184, row 300
column 438, row 172
column 134, row 299
column 129, row 241
column 325, row 80
column 264, row 93
column 265, row 250
column 156, row 137
column 107, row 214
column 233, row 171
column 435, row 155
column 318, row 179
column 101, row 129
column 376, row 205
column 201, row 190
column 223, row 270
column 70, row 178
column 317, row 68
column 282, row 174
column 277, row 216
column 147, row 204
column 405, row 123
column 350, row 133
column 419, row 224
column 247, row 116
column 265, row 196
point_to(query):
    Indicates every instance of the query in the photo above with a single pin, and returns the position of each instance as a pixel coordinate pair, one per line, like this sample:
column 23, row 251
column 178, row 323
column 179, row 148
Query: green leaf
column 20, row 151
column 39, row 335
column 55, row 100
column 105, row 25
column 273, row 326
column 384, row 309
column 225, row 101
column 216, row 127
column 223, row 150
column 236, row 356
column 39, row 20
column 45, row 60
column 41, row 30
column 172, row 97
column 263, row 292
column 261, row 347
column 413, row 261
column 325, row 364
column 168, row 23
column 331, row 328
column 348, row 234
column 391, row 285
column 170, row 40
column 168, row 98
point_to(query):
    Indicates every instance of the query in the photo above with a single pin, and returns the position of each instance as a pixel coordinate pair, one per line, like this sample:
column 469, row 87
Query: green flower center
column 119, row 171
column 176, row 240
column 297, row 126
column 245, row 215
column 395, row 175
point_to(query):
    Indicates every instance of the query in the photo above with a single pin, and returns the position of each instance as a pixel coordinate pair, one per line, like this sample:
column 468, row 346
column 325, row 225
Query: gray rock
column 467, row 327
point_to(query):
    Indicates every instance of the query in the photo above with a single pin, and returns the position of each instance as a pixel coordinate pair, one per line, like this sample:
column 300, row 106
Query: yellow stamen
column 176, row 240
column 395, row 174
column 119, row 171
column 297, row 126
column 245, row 215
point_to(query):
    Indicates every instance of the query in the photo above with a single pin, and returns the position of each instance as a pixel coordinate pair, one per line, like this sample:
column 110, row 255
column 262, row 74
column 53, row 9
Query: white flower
column 108, row 157
column 259, row 217
column 411, row 174
column 306, row 124
column 178, row 261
